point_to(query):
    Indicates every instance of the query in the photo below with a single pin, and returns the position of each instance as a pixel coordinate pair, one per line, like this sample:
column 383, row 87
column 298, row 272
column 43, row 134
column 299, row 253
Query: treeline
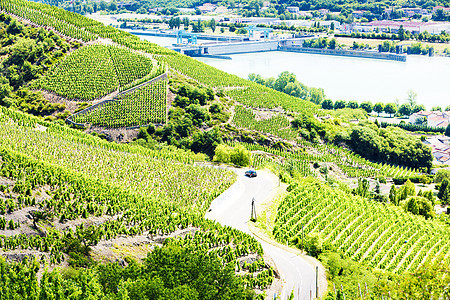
column 406, row 35
column 322, row 43
column 388, row 145
column 287, row 83
column 170, row 272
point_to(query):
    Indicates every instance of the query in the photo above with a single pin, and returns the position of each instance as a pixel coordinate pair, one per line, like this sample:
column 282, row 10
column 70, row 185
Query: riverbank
column 349, row 53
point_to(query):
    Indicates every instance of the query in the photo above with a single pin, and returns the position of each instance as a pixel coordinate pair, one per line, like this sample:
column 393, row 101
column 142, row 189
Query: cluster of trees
column 169, row 272
column 389, row 108
column 425, row 36
column 421, row 203
column 237, row 155
column 406, row 109
column 352, row 278
column 390, row 145
column 322, row 43
column 28, row 53
column 442, row 180
column 287, row 83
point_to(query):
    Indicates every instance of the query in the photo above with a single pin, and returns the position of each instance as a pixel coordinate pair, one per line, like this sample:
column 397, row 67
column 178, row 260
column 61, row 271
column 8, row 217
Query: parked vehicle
column 250, row 173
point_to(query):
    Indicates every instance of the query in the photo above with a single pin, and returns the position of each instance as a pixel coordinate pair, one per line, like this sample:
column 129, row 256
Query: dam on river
column 220, row 46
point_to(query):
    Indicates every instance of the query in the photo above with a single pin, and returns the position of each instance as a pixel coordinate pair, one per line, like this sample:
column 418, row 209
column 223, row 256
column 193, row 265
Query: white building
column 293, row 9
column 433, row 118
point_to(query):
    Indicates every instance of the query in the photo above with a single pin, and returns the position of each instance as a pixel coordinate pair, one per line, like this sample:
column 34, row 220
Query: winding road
column 233, row 208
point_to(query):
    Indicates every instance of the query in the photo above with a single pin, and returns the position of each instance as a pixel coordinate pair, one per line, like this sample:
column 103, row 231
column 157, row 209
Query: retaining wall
column 349, row 53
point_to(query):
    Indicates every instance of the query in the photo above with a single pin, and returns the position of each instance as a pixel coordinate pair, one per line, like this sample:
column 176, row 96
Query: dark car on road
column 250, row 173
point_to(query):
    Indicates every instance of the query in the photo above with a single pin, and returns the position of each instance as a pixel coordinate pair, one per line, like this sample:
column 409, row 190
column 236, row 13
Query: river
column 347, row 78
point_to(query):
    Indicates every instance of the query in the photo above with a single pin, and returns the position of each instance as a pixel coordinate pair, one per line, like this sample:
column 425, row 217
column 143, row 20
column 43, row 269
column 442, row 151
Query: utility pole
column 253, row 213
column 317, row 282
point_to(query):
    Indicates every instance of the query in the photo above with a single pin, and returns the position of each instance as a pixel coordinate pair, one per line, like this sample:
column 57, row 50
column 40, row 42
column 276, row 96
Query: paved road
column 233, row 208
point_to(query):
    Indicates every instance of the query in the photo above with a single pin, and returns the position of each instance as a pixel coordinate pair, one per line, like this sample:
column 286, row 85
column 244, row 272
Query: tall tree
column 390, row 109
column 412, row 98
column 367, row 106
column 378, row 108
column 212, row 24
column 405, row 109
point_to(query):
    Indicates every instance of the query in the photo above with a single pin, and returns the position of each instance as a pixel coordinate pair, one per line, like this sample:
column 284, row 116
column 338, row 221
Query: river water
column 347, row 78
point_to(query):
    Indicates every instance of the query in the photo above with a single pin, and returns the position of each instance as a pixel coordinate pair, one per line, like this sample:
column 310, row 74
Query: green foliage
column 414, row 127
column 428, row 281
column 187, row 95
column 444, row 191
column 327, row 104
column 378, row 108
column 348, row 273
column 237, row 155
column 441, row 175
column 390, row 144
column 390, row 108
column 167, row 273
column 419, row 206
column 367, row 106
column 363, row 188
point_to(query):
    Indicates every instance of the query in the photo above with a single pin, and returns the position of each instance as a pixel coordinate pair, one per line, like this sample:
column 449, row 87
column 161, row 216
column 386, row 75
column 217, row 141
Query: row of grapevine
column 93, row 71
column 276, row 125
column 129, row 65
column 202, row 72
column 156, row 172
column 77, row 26
column 383, row 237
column 143, row 106
column 86, row 73
column 30, row 12
column 259, row 96
column 71, row 195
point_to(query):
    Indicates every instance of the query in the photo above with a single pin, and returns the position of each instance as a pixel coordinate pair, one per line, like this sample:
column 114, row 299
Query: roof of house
column 444, row 158
column 442, row 124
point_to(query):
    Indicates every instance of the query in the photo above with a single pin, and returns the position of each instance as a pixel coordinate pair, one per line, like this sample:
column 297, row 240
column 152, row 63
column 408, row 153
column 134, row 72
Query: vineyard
column 76, row 26
column 145, row 105
column 156, row 172
column 72, row 195
column 94, row 71
column 383, row 237
column 68, row 174
column 59, row 185
column 276, row 125
column 301, row 161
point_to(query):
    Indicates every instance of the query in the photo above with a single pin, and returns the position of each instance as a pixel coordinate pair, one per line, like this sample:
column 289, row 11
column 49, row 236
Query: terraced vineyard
column 75, row 196
column 255, row 95
column 202, row 72
column 383, row 237
column 145, row 105
column 277, row 125
column 158, row 172
column 351, row 164
column 94, row 71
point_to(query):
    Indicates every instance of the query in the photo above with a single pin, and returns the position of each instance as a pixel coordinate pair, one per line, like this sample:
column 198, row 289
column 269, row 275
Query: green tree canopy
column 390, row 108
column 378, row 108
